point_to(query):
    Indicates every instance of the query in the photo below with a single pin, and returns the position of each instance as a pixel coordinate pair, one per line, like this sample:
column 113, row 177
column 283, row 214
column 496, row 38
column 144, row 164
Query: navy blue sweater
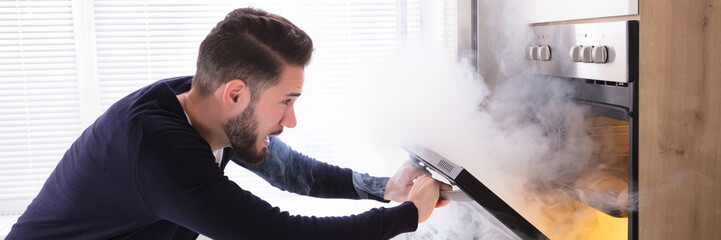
column 141, row 171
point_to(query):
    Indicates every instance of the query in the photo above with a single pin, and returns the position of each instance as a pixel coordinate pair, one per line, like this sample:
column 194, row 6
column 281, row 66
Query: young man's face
column 248, row 132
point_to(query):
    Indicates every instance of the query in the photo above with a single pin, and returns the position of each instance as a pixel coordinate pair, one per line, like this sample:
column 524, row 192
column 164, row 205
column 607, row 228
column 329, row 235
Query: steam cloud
column 505, row 137
column 505, row 134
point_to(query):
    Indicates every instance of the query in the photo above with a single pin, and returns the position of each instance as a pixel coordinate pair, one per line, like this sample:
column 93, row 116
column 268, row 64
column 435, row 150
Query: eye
column 287, row 101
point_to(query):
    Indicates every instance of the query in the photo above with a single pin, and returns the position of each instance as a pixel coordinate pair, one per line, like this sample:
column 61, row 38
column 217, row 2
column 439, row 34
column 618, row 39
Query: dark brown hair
column 252, row 45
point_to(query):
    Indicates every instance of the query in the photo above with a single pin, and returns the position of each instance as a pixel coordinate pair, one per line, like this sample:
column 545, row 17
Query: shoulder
column 157, row 99
column 171, row 134
column 156, row 107
column 161, row 120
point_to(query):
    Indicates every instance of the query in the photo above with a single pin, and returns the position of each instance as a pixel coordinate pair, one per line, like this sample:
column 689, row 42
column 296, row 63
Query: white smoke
column 506, row 138
column 502, row 125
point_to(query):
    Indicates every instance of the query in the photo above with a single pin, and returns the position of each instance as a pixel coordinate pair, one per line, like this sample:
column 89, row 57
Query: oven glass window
column 593, row 204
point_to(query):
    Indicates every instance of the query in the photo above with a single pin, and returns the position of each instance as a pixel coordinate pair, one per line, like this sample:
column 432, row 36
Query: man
column 151, row 167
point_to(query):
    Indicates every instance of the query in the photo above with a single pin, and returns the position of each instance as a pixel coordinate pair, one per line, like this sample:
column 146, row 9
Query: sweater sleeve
column 292, row 171
column 180, row 182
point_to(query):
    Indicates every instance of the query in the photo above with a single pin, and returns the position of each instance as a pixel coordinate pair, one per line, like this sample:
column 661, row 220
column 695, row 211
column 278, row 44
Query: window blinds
column 57, row 52
column 39, row 111
column 139, row 42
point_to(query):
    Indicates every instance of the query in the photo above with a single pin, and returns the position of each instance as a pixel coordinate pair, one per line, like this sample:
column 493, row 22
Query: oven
column 599, row 63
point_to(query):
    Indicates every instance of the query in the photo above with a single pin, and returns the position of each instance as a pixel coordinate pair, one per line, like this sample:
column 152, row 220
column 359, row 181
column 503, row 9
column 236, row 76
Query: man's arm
column 179, row 182
column 292, row 171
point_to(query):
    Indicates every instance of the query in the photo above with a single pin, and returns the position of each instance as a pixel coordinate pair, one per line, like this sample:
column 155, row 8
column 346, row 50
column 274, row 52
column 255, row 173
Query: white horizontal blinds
column 140, row 42
column 434, row 25
column 413, row 19
column 448, row 28
column 39, row 108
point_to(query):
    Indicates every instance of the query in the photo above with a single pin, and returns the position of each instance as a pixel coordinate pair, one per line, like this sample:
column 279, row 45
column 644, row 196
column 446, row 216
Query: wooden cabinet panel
column 680, row 119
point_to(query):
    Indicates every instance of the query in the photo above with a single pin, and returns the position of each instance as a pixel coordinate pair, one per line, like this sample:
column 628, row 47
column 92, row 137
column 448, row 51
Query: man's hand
column 425, row 195
column 400, row 184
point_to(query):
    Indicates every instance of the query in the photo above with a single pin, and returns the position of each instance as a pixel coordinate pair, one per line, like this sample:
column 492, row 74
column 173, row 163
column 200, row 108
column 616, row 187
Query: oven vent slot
column 606, row 83
column 445, row 166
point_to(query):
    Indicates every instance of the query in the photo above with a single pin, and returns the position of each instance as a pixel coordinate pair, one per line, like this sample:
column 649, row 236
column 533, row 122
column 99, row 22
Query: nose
column 288, row 119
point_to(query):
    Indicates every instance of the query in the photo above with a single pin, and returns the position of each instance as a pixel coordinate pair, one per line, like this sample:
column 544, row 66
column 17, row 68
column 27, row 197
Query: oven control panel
column 596, row 51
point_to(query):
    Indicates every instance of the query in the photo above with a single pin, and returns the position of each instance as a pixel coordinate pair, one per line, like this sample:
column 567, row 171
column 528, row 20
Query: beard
column 242, row 134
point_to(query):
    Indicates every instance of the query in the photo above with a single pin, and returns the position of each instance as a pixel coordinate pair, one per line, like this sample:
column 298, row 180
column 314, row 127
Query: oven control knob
column 528, row 52
column 599, row 54
column 534, row 53
column 586, row 54
column 576, row 53
column 544, row 53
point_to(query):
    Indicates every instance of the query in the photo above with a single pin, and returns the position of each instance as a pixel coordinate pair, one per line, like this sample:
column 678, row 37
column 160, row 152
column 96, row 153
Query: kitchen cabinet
column 680, row 119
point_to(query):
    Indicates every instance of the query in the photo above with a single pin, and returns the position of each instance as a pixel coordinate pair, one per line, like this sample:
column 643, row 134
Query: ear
column 235, row 92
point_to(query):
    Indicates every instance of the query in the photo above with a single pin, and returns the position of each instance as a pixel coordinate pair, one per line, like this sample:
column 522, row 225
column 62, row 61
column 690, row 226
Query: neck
column 202, row 112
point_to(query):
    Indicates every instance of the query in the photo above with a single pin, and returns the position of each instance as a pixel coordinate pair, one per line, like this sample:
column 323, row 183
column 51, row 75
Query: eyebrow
column 293, row 94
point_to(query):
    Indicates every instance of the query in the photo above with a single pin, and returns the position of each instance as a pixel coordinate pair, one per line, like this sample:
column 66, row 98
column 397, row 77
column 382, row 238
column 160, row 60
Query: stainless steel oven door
column 488, row 203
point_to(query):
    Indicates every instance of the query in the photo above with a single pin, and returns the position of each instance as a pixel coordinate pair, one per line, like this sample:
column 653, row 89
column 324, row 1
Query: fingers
column 400, row 184
column 417, row 172
column 424, row 195
column 414, row 170
column 445, row 187
column 442, row 203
